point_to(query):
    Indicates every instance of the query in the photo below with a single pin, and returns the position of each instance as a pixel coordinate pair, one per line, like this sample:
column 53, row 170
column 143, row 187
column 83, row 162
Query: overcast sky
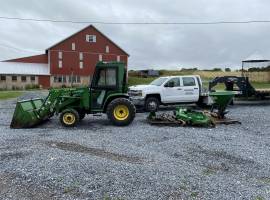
column 149, row 46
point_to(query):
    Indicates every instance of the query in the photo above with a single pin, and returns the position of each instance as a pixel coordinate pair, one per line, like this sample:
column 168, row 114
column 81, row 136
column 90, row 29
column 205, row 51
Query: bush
column 227, row 69
column 32, row 86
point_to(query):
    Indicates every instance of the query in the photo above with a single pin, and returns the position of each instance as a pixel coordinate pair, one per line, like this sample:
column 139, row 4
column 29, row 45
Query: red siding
column 44, row 81
column 91, row 52
column 31, row 59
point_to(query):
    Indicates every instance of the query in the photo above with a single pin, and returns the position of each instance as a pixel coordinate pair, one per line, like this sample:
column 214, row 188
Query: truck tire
column 151, row 104
column 121, row 112
column 69, row 118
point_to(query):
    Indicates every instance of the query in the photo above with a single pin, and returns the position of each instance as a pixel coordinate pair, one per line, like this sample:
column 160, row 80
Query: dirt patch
column 10, row 188
column 220, row 155
column 12, row 155
column 73, row 147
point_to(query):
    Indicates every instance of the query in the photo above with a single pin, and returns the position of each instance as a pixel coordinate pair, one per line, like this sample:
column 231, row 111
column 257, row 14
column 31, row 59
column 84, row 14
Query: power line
column 19, row 49
column 136, row 23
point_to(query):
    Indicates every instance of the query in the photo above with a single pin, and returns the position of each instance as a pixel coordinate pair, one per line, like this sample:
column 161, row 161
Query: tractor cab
column 108, row 79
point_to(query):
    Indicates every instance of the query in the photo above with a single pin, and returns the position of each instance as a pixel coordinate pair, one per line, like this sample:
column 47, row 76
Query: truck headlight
column 134, row 93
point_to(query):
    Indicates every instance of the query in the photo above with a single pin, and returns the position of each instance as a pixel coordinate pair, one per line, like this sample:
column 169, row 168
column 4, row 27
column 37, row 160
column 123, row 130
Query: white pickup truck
column 168, row 90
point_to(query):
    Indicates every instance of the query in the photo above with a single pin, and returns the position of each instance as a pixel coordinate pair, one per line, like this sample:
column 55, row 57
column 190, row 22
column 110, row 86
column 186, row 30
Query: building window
column 3, row 78
column 74, row 79
column 73, row 46
column 78, row 79
column 60, row 64
column 91, row 38
column 60, row 55
column 100, row 57
column 81, row 56
column 33, row 78
column 118, row 59
column 81, row 65
column 60, row 79
column 23, row 78
column 14, row 78
column 107, row 49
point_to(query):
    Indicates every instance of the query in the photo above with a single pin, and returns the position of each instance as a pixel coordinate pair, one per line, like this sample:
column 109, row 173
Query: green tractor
column 107, row 94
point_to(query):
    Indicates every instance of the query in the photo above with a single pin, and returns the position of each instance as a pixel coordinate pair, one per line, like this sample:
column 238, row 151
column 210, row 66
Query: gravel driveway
column 99, row 161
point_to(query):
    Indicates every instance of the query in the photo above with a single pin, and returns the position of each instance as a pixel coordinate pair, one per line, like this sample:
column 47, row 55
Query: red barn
column 71, row 60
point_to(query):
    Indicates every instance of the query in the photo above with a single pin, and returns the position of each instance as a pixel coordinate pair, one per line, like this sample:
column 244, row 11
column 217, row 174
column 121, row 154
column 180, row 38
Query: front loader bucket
column 26, row 114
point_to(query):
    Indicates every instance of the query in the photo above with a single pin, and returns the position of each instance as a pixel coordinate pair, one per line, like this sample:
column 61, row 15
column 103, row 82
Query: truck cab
column 167, row 90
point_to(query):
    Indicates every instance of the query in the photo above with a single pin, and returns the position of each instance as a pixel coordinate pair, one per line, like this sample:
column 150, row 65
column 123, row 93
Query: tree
column 227, row 69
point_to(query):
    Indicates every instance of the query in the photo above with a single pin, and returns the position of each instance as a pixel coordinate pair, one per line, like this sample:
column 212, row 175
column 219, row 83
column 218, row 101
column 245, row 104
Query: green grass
column 9, row 94
column 139, row 81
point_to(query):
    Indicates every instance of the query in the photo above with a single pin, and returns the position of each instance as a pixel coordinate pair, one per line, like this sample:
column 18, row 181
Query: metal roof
column 24, row 68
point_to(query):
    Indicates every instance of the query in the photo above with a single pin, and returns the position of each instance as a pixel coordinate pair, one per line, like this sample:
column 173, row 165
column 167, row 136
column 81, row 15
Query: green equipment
column 192, row 117
column 221, row 100
column 181, row 117
column 106, row 94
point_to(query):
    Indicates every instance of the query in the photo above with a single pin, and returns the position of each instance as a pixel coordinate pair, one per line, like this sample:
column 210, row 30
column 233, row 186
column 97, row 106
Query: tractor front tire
column 69, row 118
column 121, row 112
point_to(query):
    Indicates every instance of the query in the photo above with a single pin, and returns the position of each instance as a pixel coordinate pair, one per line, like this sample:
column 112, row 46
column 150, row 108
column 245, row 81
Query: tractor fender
column 111, row 97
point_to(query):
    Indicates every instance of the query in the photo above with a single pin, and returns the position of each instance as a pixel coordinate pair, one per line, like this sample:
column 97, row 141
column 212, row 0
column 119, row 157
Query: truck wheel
column 121, row 112
column 151, row 104
column 69, row 118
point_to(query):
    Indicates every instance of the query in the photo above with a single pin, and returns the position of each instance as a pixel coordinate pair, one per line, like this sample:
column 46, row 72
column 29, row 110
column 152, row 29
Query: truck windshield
column 159, row 81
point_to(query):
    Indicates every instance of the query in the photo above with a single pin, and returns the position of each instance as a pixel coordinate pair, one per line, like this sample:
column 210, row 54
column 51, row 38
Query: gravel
column 99, row 161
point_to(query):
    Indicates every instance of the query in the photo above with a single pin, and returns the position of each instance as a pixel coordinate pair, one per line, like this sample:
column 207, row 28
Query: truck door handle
column 196, row 88
column 179, row 89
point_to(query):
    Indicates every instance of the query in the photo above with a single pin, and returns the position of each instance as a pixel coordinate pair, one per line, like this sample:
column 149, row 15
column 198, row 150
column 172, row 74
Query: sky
column 149, row 46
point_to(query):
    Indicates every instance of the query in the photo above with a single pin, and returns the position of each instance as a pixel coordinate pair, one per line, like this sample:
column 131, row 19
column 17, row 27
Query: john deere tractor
column 106, row 94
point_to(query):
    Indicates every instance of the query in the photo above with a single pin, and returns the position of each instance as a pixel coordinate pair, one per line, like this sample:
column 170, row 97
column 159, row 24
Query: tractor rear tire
column 121, row 112
column 81, row 115
column 69, row 118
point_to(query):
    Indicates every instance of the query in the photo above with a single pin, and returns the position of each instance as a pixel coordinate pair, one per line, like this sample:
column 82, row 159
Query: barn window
column 23, row 78
column 81, row 56
column 64, row 79
column 73, row 46
column 100, row 57
column 81, row 65
column 91, row 38
column 14, row 78
column 3, row 78
column 107, row 49
column 60, row 55
column 118, row 59
column 33, row 78
column 60, row 64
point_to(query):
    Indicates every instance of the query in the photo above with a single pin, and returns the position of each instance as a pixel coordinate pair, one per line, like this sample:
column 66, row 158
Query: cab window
column 175, row 82
column 189, row 81
column 106, row 77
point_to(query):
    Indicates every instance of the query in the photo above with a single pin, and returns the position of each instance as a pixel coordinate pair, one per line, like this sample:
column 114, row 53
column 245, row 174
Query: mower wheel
column 69, row 118
column 121, row 112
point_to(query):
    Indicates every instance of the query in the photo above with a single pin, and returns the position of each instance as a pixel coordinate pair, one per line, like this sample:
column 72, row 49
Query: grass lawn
column 140, row 81
column 9, row 94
